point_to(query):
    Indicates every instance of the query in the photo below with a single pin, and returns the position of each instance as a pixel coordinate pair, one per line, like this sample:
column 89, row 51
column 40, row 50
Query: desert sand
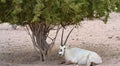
column 16, row 48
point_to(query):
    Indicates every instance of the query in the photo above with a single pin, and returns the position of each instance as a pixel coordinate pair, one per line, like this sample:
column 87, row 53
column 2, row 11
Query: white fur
column 80, row 56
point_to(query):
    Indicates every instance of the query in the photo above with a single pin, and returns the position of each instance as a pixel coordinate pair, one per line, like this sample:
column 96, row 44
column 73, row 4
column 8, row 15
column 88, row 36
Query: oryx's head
column 63, row 46
column 62, row 50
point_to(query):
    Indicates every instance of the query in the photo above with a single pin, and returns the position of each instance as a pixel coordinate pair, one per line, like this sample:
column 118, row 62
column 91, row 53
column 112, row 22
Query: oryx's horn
column 62, row 37
column 68, row 36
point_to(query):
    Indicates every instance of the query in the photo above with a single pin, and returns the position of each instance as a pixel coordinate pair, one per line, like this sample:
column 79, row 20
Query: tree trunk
column 39, row 35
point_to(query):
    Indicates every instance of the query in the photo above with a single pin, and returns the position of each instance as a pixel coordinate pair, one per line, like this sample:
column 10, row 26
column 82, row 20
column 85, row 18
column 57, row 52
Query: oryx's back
column 80, row 56
column 94, row 57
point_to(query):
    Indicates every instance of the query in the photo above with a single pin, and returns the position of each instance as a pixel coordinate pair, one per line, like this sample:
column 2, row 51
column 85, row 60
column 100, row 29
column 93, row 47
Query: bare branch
column 53, row 39
column 27, row 29
column 68, row 36
column 51, row 27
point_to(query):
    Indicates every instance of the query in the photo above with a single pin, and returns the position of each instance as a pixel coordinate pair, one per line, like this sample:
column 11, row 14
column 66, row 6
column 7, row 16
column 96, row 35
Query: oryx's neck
column 67, row 51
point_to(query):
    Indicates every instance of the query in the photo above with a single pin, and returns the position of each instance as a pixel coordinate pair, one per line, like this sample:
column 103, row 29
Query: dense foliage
column 56, row 12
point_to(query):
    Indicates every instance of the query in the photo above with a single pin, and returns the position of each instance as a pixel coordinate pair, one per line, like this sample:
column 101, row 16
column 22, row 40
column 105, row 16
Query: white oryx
column 78, row 56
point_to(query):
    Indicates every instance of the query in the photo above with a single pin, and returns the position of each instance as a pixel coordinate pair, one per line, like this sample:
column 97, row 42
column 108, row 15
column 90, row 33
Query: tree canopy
column 56, row 12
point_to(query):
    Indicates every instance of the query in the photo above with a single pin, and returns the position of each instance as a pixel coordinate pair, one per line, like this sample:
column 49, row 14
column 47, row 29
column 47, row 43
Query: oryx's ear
column 68, row 46
column 64, row 46
column 60, row 46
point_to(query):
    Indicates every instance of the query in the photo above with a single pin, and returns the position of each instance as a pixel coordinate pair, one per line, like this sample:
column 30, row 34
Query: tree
column 41, row 16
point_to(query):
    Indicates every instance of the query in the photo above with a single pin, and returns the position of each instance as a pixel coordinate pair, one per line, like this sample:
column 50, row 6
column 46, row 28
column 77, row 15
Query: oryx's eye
column 60, row 49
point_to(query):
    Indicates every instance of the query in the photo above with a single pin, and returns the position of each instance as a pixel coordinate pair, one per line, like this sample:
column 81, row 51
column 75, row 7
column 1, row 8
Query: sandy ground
column 16, row 48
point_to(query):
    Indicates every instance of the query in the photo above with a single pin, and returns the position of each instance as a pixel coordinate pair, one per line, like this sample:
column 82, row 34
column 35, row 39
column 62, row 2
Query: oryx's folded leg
column 77, row 65
column 88, row 60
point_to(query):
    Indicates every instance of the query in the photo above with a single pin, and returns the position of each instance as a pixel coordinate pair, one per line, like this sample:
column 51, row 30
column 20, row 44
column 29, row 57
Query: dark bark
column 39, row 32
column 39, row 35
